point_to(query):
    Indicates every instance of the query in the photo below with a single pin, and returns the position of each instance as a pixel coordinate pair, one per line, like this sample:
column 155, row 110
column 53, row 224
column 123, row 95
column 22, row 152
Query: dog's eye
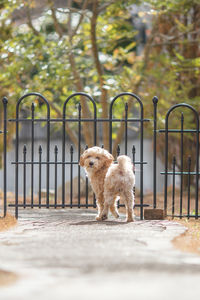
column 97, row 157
column 88, row 156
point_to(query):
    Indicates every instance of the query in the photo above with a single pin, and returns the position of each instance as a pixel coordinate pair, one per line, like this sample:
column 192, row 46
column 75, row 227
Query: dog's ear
column 109, row 159
column 81, row 161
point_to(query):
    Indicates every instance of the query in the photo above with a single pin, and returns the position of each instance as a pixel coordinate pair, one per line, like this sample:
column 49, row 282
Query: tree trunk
column 99, row 68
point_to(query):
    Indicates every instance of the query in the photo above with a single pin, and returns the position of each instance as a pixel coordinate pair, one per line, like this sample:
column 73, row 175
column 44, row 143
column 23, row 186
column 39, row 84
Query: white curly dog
column 109, row 180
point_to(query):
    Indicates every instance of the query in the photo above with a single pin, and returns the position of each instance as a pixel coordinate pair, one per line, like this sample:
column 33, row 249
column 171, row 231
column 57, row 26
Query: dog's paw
column 129, row 220
column 98, row 218
column 104, row 217
column 117, row 216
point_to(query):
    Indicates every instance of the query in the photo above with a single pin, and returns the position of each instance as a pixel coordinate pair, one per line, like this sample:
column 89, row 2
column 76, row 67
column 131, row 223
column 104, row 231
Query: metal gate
column 47, row 163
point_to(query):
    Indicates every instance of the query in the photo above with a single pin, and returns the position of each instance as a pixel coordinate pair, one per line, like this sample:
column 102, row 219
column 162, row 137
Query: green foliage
column 31, row 62
column 173, row 71
column 36, row 55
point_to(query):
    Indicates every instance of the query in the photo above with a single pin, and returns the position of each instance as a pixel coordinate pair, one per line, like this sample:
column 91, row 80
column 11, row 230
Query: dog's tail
column 125, row 163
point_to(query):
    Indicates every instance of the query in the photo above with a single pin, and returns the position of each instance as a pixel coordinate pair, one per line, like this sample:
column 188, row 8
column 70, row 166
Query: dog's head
column 95, row 158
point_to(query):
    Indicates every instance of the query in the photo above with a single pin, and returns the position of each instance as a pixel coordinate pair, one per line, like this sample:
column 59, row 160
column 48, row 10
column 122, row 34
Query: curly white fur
column 109, row 180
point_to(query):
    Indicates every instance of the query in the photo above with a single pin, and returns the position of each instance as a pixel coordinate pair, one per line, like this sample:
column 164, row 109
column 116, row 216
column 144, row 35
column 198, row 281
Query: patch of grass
column 190, row 240
column 7, row 222
column 7, row 278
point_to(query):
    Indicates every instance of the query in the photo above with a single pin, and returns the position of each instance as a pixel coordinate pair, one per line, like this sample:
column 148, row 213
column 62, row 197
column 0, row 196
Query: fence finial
column 155, row 100
column 24, row 149
column 56, row 149
column 71, row 149
column 182, row 117
column 40, row 149
column 5, row 100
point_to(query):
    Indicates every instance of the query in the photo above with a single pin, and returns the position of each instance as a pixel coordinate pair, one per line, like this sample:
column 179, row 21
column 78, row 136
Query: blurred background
column 102, row 48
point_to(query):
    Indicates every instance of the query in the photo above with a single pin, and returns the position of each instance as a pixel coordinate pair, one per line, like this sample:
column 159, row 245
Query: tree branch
column 58, row 28
column 167, row 37
column 81, row 17
column 29, row 20
column 147, row 51
column 104, row 6
column 73, row 137
column 176, row 43
column 87, row 130
column 99, row 69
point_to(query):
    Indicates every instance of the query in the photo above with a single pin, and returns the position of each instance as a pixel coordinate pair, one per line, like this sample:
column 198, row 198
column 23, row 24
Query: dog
column 109, row 180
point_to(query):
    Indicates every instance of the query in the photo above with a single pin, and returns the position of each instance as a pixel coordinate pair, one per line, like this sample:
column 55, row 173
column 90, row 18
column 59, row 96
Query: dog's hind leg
column 113, row 209
column 129, row 202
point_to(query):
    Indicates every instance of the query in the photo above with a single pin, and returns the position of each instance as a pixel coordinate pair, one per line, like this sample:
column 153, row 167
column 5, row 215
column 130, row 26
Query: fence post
column 5, row 102
column 155, row 102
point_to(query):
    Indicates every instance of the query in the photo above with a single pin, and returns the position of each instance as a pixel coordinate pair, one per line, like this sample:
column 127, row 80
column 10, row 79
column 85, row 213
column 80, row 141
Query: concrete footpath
column 65, row 254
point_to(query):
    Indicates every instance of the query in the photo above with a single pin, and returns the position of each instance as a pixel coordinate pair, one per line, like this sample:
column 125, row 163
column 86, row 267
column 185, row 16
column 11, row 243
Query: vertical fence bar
column 40, row 174
column 16, row 162
column 166, row 164
column 110, row 130
column 118, row 153
column 155, row 102
column 173, row 185
column 86, row 186
column 86, row 192
column 133, row 159
column 188, row 182
column 181, row 182
column 71, row 175
column 24, row 175
column 32, row 152
column 63, row 160
column 133, row 154
column 5, row 102
column 126, row 128
column 56, row 176
column 118, row 150
column 79, row 151
column 95, row 142
column 48, row 156
column 141, row 160
column 197, row 169
column 95, row 125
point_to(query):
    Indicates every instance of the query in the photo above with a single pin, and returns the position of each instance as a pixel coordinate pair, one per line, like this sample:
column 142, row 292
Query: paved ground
column 65, row 254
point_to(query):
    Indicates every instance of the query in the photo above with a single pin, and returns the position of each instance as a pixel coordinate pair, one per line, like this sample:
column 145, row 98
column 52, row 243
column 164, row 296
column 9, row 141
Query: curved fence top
column 79, row 94
column 126, row 94
column 182, row 105
column 33, row 94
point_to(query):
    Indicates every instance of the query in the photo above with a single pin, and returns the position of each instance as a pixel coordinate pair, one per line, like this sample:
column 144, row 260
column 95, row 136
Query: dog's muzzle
column 91, row 163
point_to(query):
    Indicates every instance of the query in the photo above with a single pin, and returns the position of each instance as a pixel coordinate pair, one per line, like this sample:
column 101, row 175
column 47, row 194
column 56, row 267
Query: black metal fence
column 57, row 167
column 187, row 172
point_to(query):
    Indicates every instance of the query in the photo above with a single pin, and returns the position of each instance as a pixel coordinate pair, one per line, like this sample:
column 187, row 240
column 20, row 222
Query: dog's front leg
column 105, row 211
column 100, row 202
column 109, row 202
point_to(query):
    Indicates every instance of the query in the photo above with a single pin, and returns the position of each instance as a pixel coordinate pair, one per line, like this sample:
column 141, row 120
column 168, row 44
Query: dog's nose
column 91, row 163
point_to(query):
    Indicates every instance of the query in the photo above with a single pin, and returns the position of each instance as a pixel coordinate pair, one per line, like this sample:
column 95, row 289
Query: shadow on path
column 107, row 223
